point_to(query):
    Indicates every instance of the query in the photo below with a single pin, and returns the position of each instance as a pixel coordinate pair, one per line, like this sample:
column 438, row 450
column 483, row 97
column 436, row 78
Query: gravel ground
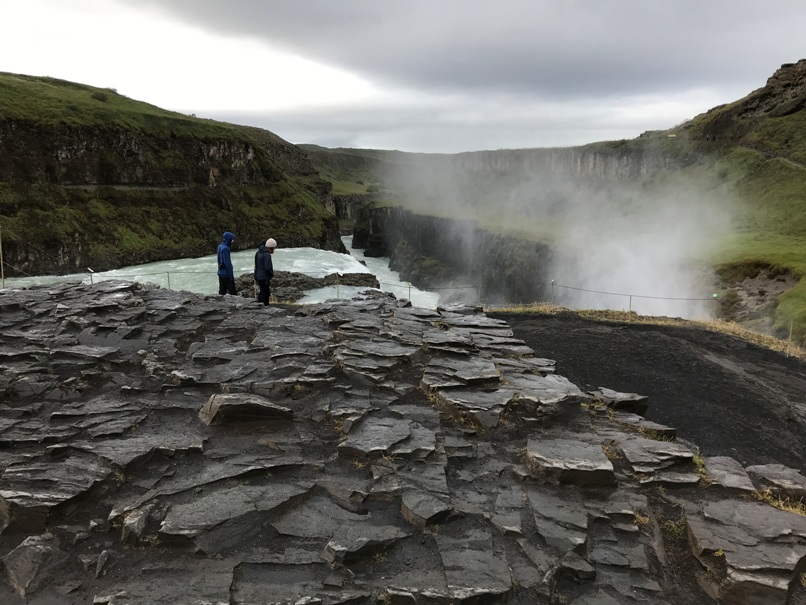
column 727, row 396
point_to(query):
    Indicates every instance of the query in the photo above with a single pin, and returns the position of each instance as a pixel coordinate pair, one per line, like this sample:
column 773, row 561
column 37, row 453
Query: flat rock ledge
column 165, row 447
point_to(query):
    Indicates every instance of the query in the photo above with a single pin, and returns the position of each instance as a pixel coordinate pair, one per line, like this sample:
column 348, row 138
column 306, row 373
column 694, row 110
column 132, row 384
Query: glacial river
column 198, row 275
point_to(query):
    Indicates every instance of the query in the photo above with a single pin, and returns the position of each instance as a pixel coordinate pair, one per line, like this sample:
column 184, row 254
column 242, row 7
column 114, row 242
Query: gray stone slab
column 628, row 402
column 728, row 473
column 569, row 461
column 443, row 372
column 34, row 488
column 546, row 390
column 374, row 436
column 358, row 539
column 222, row 408
column 561, row 519
column 760, row 547
column 182, row 580
column 780, row 479
column 318, row 517
column 483, row 406
column 35, row 563
column 421, row 508
column 473, row 570
column 620, row 555
column 420, row 444
column 648, row 455
column 227, row 517
column 122, row 452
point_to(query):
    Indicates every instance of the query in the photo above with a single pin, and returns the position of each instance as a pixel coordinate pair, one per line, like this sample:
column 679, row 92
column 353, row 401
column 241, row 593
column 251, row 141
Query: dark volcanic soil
column 727, row 396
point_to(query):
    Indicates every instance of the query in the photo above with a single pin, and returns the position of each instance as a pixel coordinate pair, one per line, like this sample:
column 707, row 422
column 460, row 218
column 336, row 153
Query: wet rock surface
column 288, row 286
column 164, row 447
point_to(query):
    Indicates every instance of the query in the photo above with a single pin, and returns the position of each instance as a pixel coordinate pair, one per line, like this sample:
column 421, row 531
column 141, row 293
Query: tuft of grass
column 609, row 448
column 655, row 435
column 641, row 519
column 675, row 528
column 790, row 505
column 522, row 454
column 699, row 465
column 379, row 557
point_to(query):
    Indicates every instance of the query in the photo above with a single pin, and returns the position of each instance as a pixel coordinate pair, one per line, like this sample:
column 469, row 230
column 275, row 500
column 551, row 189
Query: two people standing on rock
column 264, row 270
column 226, row 273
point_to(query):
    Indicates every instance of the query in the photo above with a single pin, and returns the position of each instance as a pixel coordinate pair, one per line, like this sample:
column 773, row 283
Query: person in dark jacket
column 264, row 270
column 226, row 274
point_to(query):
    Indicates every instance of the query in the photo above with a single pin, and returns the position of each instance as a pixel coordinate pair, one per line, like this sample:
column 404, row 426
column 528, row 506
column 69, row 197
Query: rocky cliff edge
column 163, row 447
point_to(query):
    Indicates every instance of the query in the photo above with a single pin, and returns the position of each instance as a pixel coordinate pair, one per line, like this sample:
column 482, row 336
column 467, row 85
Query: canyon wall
column 456, row 257
column 81, row 196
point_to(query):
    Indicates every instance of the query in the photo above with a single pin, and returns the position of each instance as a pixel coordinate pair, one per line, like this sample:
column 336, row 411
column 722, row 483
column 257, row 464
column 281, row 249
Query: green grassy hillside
column 59, row 103
column 89, row 177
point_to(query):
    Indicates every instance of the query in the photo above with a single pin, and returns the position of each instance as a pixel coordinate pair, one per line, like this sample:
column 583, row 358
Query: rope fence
column 91, row 277
column 629, row 296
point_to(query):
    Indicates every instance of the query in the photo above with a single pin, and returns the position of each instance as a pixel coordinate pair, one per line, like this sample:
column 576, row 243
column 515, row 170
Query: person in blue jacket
column 226, row 274
column 264, row 270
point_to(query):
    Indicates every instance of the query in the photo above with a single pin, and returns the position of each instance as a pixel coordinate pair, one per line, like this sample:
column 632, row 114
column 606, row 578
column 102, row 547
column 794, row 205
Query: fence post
column 168, row 273
column 338, row 297
column 629, row 315
column 2, row 266
column 409, row 291
column 90, row 271
column 789, row 342
column 552, row 291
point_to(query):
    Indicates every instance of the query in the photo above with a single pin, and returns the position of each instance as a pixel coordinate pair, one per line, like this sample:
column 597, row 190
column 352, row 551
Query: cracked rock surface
column 165, row 447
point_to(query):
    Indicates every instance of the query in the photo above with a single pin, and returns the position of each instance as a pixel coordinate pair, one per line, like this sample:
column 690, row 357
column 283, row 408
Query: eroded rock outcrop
column 161, row 446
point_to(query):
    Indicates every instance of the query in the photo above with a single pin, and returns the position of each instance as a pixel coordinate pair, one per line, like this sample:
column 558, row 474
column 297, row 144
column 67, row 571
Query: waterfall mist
column 617, row 243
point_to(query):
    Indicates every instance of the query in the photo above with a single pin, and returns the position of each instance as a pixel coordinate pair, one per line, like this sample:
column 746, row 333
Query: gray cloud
column 451, row 126
column 544, row 47
column 581, row 66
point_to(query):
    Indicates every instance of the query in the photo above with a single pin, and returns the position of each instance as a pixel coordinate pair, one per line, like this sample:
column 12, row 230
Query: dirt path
column 727, row 396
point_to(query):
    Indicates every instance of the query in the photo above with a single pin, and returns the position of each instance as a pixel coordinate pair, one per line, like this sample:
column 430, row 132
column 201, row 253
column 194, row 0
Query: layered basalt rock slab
column 159, row 446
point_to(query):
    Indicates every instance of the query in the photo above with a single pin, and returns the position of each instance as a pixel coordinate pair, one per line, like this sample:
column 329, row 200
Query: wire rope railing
column 163, row 279
column 628, row 295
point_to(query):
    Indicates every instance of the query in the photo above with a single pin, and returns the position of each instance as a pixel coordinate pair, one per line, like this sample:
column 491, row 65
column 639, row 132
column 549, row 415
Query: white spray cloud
column 630, row 244
column 645, row 254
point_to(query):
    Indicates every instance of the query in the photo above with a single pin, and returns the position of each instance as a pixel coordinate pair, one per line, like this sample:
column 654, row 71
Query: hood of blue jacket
column 228, row 237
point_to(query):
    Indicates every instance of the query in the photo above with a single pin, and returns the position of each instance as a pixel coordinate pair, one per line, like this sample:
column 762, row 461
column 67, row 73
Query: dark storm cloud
column 542, row 48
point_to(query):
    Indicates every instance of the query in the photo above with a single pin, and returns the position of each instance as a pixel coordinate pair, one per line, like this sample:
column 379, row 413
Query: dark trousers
column 265, row 291
column 226, row 285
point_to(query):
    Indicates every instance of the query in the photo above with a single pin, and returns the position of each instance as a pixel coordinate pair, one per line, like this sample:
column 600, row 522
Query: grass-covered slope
column 89, row 177
column 759, row 144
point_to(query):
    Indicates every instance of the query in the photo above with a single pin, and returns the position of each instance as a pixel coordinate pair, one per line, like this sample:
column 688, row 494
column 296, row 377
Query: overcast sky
column 415, row 75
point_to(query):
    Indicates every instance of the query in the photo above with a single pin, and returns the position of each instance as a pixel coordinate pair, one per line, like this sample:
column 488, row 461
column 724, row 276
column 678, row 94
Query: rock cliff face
column 456, row 257
column 350, row 207
column 784, row 93
column 601, row 161
column 35, row 153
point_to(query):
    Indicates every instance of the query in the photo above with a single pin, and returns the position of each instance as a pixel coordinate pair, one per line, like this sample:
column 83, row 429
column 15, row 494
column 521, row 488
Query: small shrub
column 100, row 96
